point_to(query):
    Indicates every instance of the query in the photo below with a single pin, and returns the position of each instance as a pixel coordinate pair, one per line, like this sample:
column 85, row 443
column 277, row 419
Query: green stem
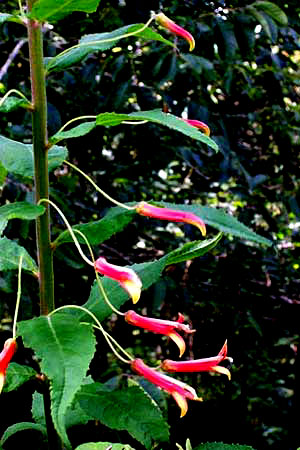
column 40, row 141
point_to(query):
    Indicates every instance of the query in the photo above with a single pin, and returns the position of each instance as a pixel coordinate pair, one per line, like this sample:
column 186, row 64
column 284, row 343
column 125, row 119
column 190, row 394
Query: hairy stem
column 39, row 131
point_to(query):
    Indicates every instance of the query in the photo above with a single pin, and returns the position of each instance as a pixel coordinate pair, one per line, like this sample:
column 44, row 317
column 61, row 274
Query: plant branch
column 39, row 131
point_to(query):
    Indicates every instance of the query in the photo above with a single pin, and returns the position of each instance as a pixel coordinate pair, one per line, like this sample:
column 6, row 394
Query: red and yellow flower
column 166, row 327
column 127, row 278
column 167, row 23
column 200, row 125
column 180, row 391
column 145, row 209
column 200, row 365
column 6, row 355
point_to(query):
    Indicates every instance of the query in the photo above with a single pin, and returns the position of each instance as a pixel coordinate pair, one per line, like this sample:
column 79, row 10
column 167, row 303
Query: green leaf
column 155, row 116
column 229, row 41
column 3, row 174
column 22, row 426
column 218, row 219
column 10, row 253
column 222, row 446
column 99, row 231
column 103, row 446
column 17, row 375
column 80, row 130
column 9, row 18
column 273, row 11
column 129, row 409
column 38, row 409
column 12, row 103
column 261, row 18
column 65, row 348
column 19, row 210
column 53, row 10
column 17, row 157
column 91, row 43
column 192, row 250
column 149, row 274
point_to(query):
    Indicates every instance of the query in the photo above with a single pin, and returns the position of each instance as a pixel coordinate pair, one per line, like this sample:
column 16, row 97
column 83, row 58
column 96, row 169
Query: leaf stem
column 98, row 325
column 14, row 91
column 108, row 197
column 104, row 41
column 14, row 330
column 74, row 120
column 46, row 200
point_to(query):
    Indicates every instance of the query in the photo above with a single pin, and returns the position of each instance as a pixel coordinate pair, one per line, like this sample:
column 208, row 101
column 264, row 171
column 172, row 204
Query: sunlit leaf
column 10, row 253
column 65, row 348
column 53, row 10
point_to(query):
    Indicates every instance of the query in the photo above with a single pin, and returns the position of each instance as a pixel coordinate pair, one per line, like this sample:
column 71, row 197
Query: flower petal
column 179, row 341
column 167, row 23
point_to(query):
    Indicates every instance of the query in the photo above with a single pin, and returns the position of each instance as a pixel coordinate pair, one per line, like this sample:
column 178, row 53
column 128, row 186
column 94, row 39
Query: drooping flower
column 200, row 125
column 6, row 355
column 166, row 327
column 172, row 215
column 164, row 21
column 200, row 365
column 127, row 278
column 180, row 391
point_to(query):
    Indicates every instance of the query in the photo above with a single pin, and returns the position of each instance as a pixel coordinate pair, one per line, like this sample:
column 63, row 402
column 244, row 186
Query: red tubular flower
column 179, row 390
column 6, row 355
column 163, row 20
column 173, row 215
column 166, row 327
column 201, row 125
column 199, row 365
column 127, row 278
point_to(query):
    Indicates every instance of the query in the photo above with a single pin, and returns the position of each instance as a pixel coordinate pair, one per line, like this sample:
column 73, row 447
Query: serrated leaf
column 273, row 11
column 99, row 231
column 19, row 210
column 17, row 157
column 80, row 130
column 218, row 219
column 129, row 409
column 155, row 116
column 17, row 375
column 12, row 103
column 10, row 253
column 222, row 446
column 192, row 250
column 22, row 426
column 53, row 10
column 65, row 348
column 100, row 42
column 103, row 446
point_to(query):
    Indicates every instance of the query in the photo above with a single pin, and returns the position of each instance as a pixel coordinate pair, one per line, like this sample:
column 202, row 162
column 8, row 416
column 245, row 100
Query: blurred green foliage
column 243, row 81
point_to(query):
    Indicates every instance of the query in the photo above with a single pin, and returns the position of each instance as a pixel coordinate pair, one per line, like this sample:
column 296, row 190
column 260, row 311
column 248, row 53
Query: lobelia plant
column 63, row 339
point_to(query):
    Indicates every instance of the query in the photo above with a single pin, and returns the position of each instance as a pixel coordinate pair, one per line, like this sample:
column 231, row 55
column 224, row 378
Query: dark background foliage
column 243, row 80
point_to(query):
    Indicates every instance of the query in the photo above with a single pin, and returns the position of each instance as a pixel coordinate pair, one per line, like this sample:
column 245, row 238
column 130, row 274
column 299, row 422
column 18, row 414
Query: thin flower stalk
column 165, row 327
column 145, row 209
column 200, row 365
column 180, row 391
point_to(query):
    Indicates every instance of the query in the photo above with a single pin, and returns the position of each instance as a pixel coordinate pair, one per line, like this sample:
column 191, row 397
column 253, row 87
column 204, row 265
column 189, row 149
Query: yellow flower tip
column 200, row 225
column 179, row 341
column 223, row 370
column 2, row 379
column 181, row 402
column 134, row 289
column 192, row 44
